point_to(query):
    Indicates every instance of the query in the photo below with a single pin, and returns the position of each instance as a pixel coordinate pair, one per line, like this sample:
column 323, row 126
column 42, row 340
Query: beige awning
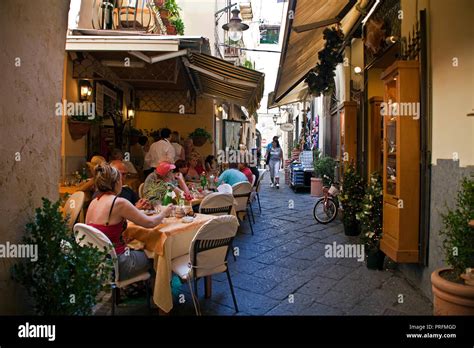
column 304, row 39
column 217, row 78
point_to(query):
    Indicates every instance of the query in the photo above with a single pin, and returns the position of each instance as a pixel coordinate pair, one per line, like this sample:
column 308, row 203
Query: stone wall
column 32, row 38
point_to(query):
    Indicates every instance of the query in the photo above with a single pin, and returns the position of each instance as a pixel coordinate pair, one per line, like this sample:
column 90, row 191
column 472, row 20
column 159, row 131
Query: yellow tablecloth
column 167, row 241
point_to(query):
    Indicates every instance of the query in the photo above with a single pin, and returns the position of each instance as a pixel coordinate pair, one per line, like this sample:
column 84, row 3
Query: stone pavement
column 282, row 270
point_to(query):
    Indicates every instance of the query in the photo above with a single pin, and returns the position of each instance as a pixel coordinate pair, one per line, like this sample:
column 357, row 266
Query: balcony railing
column 139, row 15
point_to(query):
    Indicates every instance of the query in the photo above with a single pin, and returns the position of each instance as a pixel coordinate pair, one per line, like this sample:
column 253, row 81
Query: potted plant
column 66, row 277
column 370, row 218
column 323, row 173
column 200, row 136
column 178, row 25
column 79, row 125
column 134, row 134
column 352, row 194
column 172, row 7
column 451, row 295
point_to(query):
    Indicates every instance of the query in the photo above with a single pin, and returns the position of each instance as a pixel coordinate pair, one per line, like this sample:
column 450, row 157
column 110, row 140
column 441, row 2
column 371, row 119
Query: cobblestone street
column 285, row 257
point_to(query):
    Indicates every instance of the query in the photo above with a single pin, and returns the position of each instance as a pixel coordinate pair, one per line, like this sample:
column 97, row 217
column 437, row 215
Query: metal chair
column 208, row 255
column 256, row 191
column 242, row 192
column 85, row 235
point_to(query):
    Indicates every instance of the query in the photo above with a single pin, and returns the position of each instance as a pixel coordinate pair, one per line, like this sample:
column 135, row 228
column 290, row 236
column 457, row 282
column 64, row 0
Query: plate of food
column 187, row 219
column 150, row 212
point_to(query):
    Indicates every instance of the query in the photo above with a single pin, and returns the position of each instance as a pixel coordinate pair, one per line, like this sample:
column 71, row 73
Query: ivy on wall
column 321, row 79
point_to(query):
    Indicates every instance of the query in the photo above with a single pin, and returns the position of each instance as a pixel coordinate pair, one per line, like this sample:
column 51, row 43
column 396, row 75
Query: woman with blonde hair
column 109, row 214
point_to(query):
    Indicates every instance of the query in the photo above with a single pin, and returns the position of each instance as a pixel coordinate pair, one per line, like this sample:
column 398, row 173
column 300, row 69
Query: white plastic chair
column 208, row 254
column 224, row 188
column 242, row 192
column 140, row 190
column 96, row 238
column 217, row 203
column 73, row 207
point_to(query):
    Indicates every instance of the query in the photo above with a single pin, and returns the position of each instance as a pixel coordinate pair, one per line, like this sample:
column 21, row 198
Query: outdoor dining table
column 163, row 243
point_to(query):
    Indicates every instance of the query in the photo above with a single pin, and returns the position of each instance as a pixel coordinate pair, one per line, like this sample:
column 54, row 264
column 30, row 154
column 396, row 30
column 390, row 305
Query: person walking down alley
column 275, row 162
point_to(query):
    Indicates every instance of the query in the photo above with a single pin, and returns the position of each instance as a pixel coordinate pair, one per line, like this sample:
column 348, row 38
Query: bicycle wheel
column 325, row 213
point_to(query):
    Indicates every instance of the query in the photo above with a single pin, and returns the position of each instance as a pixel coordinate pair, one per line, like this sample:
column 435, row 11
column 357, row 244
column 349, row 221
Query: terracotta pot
column 451, row 298
column 199, row 141
column 164, row 14
column 171, row 29
column 316, row 187
column 78, row 129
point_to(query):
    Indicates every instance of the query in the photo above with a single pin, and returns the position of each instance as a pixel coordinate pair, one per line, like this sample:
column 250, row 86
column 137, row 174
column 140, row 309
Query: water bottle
column 203, row 180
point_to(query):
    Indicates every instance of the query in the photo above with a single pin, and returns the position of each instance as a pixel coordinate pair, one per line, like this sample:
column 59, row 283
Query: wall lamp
column 85, row 90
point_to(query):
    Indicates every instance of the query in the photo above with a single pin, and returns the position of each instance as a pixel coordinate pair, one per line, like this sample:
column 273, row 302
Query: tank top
column 113, row 232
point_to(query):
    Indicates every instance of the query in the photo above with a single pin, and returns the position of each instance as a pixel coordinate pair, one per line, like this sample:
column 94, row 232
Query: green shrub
column 371, row 214
column 324, row 166
column 66, row 278
column 352, row 194
column 459, row 237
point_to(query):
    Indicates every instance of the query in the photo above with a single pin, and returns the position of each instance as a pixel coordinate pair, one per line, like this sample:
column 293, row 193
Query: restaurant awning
column 153, row 64
column 217, row 78
column 304, row 39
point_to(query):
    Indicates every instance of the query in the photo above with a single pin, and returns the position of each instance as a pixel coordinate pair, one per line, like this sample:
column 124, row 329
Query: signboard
column 287, row 127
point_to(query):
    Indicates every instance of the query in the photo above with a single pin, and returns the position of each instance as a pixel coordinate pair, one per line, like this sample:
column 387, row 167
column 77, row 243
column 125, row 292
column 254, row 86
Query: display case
column 401, row 162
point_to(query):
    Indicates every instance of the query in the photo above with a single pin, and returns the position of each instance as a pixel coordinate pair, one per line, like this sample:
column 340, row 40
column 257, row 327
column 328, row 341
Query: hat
column 96, row 160
column 164, row 168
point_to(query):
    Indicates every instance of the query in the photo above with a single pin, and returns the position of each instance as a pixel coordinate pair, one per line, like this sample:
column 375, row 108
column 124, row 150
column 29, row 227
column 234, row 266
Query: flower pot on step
column 316, row 187
column 450, row 298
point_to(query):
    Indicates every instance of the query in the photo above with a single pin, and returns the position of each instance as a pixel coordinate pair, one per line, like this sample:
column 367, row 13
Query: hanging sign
column 287, row 127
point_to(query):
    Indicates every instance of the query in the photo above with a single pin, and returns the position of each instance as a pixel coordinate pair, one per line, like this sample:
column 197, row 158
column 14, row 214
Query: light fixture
column 275, row 119
column 235, row 27
column 130, row 112
column 357, row 70
column 220, row 108
column 85, row 90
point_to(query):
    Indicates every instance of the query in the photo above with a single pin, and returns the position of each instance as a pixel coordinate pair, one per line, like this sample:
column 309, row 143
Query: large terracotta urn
column 451, row 298
column 316, row 187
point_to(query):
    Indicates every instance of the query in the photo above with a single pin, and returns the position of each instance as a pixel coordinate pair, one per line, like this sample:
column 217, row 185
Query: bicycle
column 326, row 208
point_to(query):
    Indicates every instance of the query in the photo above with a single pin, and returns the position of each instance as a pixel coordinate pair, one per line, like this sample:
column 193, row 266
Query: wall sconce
column 357, row 70
column 85, row 90
column 220, row 108
column 130, row 112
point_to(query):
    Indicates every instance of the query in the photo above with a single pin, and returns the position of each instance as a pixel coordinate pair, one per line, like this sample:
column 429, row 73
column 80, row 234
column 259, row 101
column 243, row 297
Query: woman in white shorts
column 275, row 162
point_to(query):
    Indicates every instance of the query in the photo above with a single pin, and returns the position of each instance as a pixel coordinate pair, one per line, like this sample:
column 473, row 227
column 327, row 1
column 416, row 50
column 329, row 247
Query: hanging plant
column 321, row 79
